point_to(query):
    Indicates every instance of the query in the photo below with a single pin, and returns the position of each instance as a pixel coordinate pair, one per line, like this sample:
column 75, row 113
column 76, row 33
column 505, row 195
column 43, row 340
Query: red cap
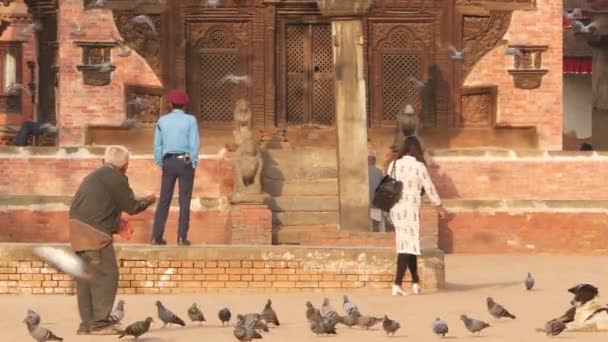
column 178, row 97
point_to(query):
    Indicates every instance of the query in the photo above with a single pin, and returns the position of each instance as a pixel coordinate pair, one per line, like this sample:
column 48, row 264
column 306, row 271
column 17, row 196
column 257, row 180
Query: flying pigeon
column 390, row 326
column 579, row 27
column 29, row 29
column 456, row 55
column 64, row 261
column 237, row 79
column 497, row 310
column 137, row 329
column 168, row 317
column 368, row 321
column 529, row 282
column 213, row 3
column 269, row 315
column 224, row 316
column 119, row 312
column 245, row 333
column 440, row 327
column 195, row 314
column 554, row 328
column 77, row 31
column 575, row 14
column 473, row 325
column 513, row 52
column 350, row 308
column 40, row 334
column 99, row 4
column 16, row 88
column 143, row 19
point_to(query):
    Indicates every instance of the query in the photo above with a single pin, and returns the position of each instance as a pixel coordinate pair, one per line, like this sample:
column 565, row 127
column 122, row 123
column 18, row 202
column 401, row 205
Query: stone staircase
column 304, row 188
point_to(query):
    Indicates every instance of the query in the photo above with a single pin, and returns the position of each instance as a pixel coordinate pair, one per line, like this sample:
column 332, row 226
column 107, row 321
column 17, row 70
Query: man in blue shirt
column 176, row 145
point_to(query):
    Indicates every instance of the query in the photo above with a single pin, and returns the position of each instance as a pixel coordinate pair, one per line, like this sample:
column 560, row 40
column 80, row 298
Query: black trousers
column 174, row 170
column 96, row 296
column 403, row 262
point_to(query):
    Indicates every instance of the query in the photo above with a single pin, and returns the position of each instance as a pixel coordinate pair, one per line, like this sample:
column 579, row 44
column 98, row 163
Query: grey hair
column 117, row 156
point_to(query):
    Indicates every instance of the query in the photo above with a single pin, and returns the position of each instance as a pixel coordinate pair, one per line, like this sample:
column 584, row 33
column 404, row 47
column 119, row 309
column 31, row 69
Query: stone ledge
column 145, row 269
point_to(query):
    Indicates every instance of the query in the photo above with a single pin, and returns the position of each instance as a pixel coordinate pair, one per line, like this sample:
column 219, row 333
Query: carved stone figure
column 248, row 164
column 242, row 123
column 407, row 124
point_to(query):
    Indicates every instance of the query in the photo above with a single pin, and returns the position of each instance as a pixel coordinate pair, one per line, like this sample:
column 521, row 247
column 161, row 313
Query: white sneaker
column 398, row 291
column 416, row 289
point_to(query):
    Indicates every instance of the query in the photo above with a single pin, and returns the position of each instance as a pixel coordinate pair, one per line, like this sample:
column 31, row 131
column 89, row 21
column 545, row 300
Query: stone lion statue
column 242, row 123
column 248, row 164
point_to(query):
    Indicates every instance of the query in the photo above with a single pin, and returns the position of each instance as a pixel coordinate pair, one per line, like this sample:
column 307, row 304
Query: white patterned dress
column 405, row 215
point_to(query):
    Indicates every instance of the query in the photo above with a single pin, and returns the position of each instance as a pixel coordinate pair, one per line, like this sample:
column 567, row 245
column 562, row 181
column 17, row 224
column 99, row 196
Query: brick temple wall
column 167, row 270
column 79, row 104
column 540, row 107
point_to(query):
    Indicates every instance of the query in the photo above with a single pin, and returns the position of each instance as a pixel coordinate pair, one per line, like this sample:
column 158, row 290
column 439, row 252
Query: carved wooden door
column 309, row 74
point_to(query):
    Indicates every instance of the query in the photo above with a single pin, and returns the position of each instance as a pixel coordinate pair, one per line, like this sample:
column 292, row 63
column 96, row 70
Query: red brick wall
column 225, row 269
column 250, row 224
column 16, row 12
column 580, row 233
column 80, row 104
column 540, row 107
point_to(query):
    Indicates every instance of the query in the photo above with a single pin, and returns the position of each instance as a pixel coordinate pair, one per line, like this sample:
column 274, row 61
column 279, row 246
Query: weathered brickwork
column 223, row 269
column 79, row 104
column 540, row 107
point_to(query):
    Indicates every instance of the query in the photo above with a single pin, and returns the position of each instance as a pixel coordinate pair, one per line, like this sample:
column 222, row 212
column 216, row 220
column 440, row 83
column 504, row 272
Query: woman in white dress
column 410, row 169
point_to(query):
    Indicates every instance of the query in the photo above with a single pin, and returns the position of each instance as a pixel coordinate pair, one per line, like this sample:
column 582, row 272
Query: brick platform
column 169, row 270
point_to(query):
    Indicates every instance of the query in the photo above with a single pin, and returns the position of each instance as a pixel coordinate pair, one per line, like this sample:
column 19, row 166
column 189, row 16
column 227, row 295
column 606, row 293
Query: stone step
column 318, row 187
column 304, row 203
column 300, row 165
column 298, row 218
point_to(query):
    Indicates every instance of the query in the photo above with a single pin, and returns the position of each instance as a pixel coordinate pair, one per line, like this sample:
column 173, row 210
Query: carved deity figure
column 407, row 124
column 242, row 123
column 248, row 164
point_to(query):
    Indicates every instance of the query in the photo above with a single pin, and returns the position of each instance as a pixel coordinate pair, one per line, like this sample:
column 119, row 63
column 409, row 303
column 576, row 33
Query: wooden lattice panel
column 216, row 93
column 295, row 74
column 397, row 91
column 323, row 110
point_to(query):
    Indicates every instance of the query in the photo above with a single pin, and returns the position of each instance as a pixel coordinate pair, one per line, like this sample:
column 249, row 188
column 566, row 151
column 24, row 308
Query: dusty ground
column 470, row 280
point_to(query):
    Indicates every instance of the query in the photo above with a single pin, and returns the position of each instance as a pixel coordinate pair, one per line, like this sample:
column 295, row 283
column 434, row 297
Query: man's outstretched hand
column 150, row 198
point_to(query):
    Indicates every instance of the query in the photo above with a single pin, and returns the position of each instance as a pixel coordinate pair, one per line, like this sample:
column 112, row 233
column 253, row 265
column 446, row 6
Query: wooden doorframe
column 283, row 20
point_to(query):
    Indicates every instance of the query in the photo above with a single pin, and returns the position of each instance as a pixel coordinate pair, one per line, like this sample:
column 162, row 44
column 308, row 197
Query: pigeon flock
column 322, row 321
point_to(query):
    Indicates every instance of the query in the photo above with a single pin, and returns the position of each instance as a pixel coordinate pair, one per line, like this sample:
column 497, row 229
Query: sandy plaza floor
column 470, row 279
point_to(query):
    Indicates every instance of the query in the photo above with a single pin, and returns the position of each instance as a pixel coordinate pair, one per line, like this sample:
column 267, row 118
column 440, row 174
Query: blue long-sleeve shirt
column 176, row 132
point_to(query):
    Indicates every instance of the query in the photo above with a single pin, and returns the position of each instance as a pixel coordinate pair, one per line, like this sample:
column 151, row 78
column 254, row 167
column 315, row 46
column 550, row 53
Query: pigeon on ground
column 245, row 333
column 137, row 329
column 168, row 317
column 498, row 310
column 368, row 321
column 251, row 321
column 33, row 317
column 440, row 327
column 195, row 314
column 328, row 312
column 473, row 325
column 350, row 308
column 310, row 311
column 321, row 326
column 119, row 312
column 554, row 328
column 143, row 19
column 390, row 326
column 529, row 282
column 269, row 315
column 63, row 260
column 224, row 315
column 348, row 320
column 39, row 333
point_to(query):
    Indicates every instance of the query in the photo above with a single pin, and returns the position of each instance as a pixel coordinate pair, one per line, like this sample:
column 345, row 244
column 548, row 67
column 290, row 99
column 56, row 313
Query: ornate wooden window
column 309, row 74
column 399, row 58
column 221, row 75
column 10, row 77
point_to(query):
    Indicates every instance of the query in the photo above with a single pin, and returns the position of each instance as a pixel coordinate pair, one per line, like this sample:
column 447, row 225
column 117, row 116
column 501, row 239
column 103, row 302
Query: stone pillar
column 351, row 115
column 598, row 40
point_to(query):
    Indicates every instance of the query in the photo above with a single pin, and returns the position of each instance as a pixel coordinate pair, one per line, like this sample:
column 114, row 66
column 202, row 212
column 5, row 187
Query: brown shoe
column 109, row 330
